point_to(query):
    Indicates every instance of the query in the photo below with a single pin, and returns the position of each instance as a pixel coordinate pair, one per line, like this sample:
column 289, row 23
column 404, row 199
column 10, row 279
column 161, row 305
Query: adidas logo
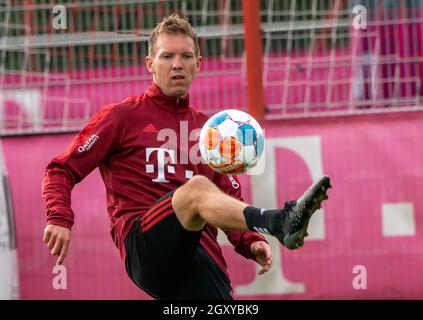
column 150, row 128
column 261, row 230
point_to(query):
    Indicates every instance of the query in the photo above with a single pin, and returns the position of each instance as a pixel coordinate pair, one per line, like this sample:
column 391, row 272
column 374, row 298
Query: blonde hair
column 172, row 24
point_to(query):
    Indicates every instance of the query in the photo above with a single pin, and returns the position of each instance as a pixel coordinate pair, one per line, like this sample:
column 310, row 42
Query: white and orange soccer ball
column 231, row 142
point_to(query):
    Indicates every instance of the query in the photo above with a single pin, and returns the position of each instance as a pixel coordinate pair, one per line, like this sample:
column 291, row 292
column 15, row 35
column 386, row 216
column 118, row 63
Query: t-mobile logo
column 161, row 165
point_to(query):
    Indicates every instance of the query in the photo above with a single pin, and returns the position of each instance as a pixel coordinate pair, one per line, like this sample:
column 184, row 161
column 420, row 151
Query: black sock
column 268, row 221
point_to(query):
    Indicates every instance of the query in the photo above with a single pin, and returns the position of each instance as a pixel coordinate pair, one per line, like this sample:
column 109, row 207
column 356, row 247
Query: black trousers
column 168, row 262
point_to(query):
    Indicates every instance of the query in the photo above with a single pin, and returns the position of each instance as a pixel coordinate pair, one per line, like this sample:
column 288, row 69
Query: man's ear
column 199, row 61
column 149, row 64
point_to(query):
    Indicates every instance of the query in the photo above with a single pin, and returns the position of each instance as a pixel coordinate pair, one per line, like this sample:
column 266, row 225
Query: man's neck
column 176, row 97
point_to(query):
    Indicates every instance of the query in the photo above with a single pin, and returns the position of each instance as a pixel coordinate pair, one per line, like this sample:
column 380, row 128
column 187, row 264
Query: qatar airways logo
column 89, row 143
column 234, row 183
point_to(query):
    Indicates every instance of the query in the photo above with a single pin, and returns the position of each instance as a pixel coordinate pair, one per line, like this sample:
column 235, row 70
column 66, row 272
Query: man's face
column 174, row 63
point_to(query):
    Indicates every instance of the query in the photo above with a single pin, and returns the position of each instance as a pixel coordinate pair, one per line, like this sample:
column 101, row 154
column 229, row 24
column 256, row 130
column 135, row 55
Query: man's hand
column 57, row 239
column 264, row 255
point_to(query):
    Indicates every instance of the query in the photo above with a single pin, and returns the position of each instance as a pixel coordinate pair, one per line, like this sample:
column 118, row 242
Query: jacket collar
column 170, row 104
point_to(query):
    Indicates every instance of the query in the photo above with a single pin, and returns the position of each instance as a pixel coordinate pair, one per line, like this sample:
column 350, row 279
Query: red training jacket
column 139, row 163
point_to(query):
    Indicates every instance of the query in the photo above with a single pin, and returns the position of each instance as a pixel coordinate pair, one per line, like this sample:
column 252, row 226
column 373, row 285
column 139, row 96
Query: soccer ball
column 231, row 142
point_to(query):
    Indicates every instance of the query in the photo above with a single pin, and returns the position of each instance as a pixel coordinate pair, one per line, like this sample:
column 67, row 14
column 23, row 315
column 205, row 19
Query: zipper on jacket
column 176, row 105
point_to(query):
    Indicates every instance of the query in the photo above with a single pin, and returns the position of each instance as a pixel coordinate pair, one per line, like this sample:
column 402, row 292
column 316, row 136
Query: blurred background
column 336, row 84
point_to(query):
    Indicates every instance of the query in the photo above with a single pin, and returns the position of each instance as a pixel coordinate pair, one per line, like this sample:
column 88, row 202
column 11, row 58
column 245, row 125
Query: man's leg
column 167, row 261
column 199, row 201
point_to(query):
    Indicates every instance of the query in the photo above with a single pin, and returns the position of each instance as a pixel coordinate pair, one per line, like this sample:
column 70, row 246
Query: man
column 165, row 214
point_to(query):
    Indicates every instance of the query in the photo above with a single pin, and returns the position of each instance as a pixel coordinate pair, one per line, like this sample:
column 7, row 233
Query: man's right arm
column 56, row 188
column 87, row 151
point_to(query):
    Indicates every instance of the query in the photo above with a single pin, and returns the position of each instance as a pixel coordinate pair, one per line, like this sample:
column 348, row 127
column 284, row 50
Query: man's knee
column 200, row 183
column 196, row 188
column 187, row 201
column 190, row 195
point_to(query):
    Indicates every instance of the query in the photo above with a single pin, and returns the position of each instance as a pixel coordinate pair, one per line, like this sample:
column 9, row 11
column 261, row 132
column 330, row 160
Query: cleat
column 297, row 214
